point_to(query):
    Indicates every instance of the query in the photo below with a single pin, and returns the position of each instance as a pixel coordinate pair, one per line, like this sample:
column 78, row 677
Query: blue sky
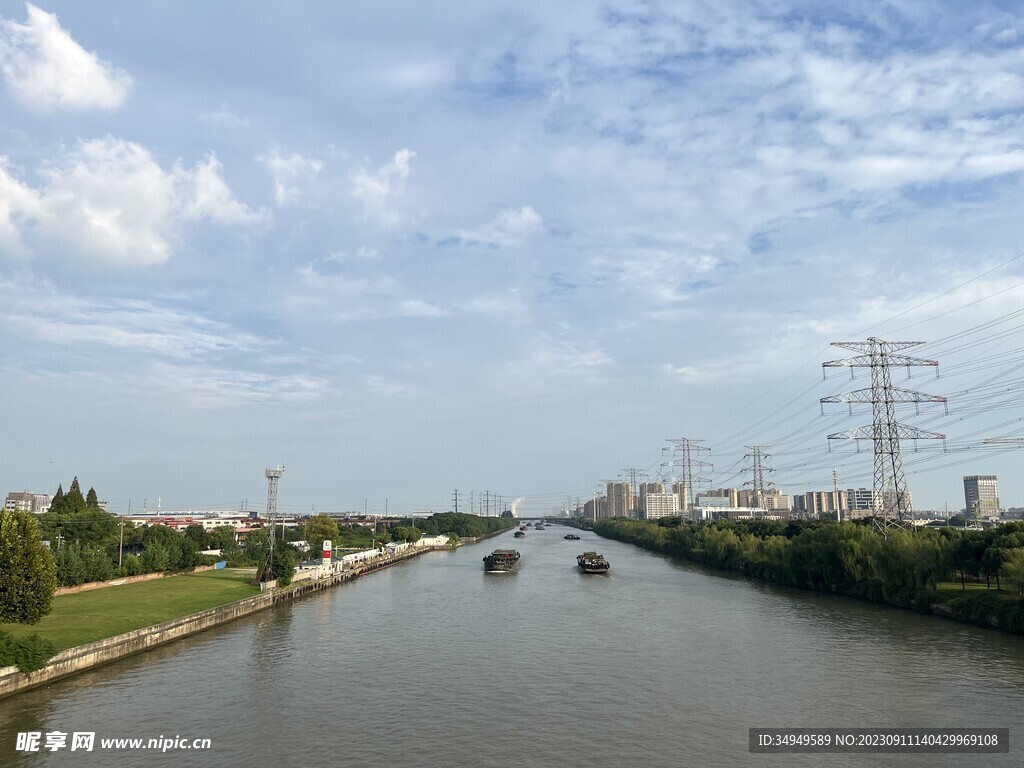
column 404, row 248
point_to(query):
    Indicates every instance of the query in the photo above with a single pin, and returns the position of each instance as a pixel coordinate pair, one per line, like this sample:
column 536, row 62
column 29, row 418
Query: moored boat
column 501, row 561
column 592, row 562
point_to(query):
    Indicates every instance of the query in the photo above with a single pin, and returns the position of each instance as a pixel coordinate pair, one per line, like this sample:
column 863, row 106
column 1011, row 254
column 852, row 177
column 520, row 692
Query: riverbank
column 902, row 570
column 87, row 617
column 80, row 658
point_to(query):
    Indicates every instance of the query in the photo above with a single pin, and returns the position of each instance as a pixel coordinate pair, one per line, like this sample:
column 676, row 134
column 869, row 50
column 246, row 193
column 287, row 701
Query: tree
column 28, row 576
column 1013, row 569
column 321, row 528
column 71, row 568
column 223, row 538
column 75, row 501
column 197, row 535
column 285, row 560
column 175, row 553
column 132, row 565
column 98, row 566
column 155, row 558
column 992, row 562
column 405, row 533
column 257, row 547
column 57, row 502
column 74, row 518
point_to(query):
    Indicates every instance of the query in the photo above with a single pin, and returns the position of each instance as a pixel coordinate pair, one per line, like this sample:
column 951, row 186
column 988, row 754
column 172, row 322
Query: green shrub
column 27, row 653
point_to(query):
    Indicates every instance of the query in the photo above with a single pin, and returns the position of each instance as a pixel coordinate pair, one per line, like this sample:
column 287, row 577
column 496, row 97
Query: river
column 433, row 663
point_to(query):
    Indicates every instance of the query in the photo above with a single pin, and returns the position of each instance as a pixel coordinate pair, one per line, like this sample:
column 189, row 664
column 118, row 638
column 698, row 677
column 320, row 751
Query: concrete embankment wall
column 83, row 657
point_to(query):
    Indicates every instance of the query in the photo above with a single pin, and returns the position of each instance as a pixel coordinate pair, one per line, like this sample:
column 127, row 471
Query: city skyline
column 402, row 250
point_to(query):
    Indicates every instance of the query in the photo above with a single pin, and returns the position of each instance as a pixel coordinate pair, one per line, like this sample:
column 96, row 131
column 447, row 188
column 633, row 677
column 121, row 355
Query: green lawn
column 949, row 590
column 88, row 616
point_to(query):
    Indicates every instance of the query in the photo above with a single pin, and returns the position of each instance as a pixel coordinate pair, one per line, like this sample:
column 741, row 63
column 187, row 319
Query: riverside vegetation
column 87, row 543
column 906, row 569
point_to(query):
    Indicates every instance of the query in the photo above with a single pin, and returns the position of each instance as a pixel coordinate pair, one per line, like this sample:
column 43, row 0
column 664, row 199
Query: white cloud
column 47, row 70
column 290, row 174
column 40, row 313
column 554, row 365
column 510, row 227
column 210, row 197
column 377, row 192
column 662, row 276
column 17, row 203
column 110, row 202
column 386, row 387
column 211, row 387
column 175, row 353
column 342, row 298
column 224, row 119
column 362, row 253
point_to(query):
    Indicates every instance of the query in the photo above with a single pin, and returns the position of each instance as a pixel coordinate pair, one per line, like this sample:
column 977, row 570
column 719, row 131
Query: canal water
column 433, row 663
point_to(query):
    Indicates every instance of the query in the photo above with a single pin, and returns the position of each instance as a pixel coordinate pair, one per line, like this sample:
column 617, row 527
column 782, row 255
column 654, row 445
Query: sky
column 406, row 248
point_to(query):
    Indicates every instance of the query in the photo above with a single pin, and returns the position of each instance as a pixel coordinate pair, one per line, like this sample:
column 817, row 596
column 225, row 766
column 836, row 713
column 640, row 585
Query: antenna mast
column 273, row 475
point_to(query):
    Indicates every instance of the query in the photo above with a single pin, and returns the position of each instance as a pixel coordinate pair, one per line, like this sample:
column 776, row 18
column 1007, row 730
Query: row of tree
column 903, row 568
column 463, row 525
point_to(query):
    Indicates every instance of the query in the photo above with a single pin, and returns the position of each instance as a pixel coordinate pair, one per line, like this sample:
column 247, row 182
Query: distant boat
column 571, row 537
column 592, row 562
column 519, row 534
column 501, row 561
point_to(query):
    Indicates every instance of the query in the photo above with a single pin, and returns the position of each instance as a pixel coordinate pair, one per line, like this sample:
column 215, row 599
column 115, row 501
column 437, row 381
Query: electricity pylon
column 686, row 447
column 893, row 509
column 759, row 469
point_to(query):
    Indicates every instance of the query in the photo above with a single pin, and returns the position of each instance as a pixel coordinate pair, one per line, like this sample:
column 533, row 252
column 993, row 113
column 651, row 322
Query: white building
column 27, row 501
column 655, row 505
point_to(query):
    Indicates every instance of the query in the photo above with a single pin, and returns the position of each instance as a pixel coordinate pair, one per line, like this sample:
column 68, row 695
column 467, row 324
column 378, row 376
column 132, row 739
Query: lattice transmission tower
column 273, row 475
column 892, row 507
column 759, row 469
column 685, row 448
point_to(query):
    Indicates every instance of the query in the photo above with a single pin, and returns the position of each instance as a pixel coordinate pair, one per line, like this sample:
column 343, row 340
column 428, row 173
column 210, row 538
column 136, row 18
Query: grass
column 950, row 590
column 89, row 616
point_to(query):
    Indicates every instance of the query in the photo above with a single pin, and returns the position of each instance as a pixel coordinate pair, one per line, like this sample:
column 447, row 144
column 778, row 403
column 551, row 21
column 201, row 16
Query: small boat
column 522, row 528
column 592, row 562
column 519, row 534
column 501, row 561
column 571, row 537
column 538, row 527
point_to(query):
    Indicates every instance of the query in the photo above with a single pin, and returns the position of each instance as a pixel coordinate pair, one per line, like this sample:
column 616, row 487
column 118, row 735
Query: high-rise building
column 773, row 499
column 596, row 508
column 655, row 505
column 621, row 501
column 646, row 488
column 821, row 504
column 981, row 496
column 729, row 493
column 860, row 498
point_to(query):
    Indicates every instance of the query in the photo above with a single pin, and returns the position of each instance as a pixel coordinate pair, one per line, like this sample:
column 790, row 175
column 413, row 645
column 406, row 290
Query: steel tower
column 892, row 508
column 273, row 475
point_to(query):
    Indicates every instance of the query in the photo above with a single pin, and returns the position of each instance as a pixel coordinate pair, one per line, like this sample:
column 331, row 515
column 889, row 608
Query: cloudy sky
column 403, row 248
